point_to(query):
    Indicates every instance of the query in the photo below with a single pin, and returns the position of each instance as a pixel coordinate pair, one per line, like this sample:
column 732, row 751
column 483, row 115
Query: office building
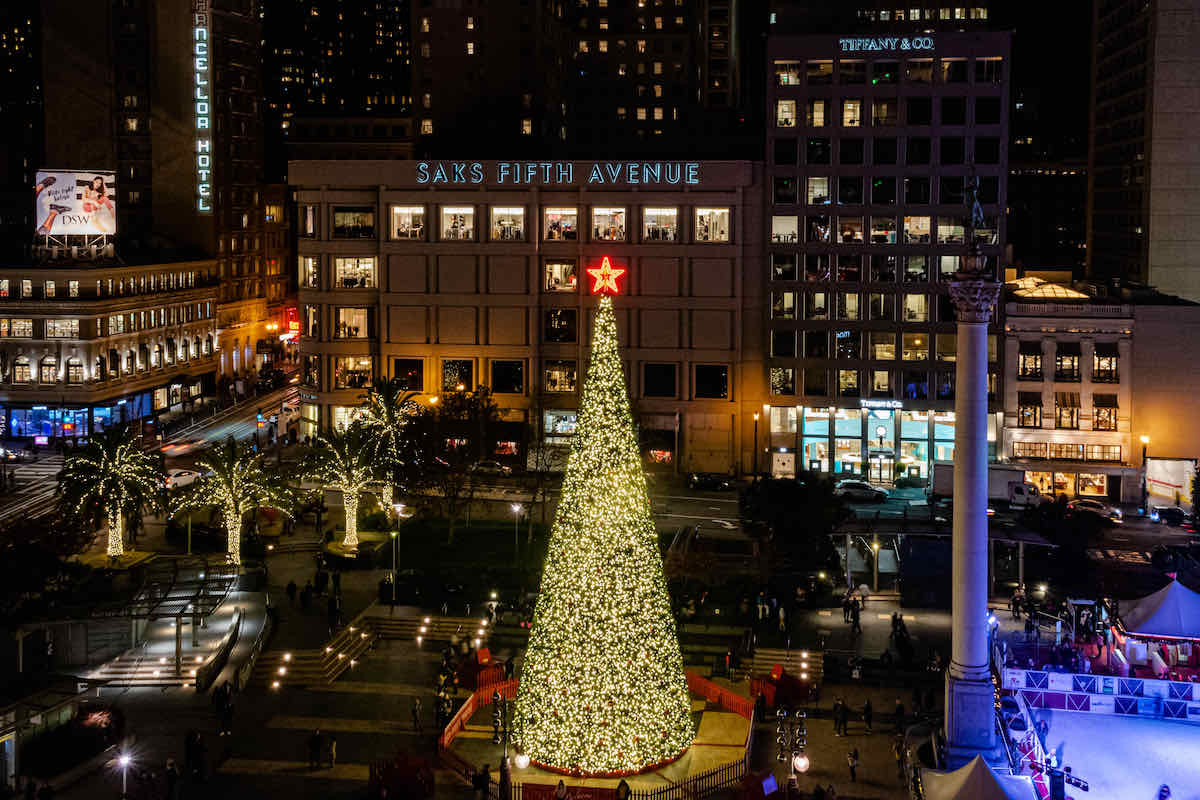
column 1143, row 198
column 449, row 274
column 873, row 141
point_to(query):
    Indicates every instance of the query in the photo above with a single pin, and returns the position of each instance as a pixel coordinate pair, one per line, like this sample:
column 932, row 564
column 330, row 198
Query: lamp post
column 516, row 509
column 792, row 739
column 1145, row 478
column 399, row 507
column 123, row 760
column 767, row 418
column 756, row 445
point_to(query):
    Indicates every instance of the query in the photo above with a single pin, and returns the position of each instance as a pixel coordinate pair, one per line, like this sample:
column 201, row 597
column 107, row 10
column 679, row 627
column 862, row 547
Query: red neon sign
column 604, row 277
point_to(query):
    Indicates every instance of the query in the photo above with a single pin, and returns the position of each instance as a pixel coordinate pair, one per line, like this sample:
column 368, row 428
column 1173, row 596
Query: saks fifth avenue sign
column 551, row 173
column 889, row 43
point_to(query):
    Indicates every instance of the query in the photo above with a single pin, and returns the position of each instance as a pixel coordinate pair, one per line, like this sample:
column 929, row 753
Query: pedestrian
column 852, row 763
column 172, row 779
column 416, row 714
column 762, row 606
column 899, row 716
column 855, row 619
column 846, row 607
column 845, row 719
column 227, row 719
column 837, row 717
column 868, row 712
column 782, row 620
column 331, row 751
column 314, row 749
column 898, row 754
column 291, row 593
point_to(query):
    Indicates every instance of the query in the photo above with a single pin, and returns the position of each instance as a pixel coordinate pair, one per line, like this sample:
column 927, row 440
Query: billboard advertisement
column 75, row 203
column 1169, row 482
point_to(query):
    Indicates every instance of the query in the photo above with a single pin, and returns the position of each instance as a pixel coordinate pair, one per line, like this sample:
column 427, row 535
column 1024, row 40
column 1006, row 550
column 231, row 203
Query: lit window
column 785, row 114
column 658, row 113
column 458, row 223
column 354, row 273
column 470, row 48
column 408, row 223
column 131, row 124
column 641, row 113
column 426, row 127
column 62, row 329
column 508, row 224
column 852, row 113
column 815, row 114
column 561, row 376
column 560, row 276
column 470, row 23
column 608, row 224
column 712, row 224
column 583, row 46
column 351, row 323
column 424, row 24
column 526, row 126
column 602, row 45
column 560, row 224
column 427, row 100
column 49, row 289
column 660, row 224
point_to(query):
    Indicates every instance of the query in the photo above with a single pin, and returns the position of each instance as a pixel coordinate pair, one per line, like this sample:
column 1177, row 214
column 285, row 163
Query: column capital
column 974, row 297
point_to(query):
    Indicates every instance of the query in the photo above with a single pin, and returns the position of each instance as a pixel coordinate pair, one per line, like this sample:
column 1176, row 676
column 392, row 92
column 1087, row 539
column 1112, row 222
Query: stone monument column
column 970, row 722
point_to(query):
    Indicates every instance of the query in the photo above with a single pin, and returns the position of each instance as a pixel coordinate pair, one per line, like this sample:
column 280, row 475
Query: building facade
column 1143, row 200
column 450, row 274
column 873, row 142
column 83, row 349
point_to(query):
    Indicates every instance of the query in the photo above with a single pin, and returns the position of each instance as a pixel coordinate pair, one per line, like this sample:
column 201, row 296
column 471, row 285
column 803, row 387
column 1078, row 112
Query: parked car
column 859, row 492
column 491, row 468
column 1170, row 515
column 710, row 480
column 178, row 478
column 1090, row 506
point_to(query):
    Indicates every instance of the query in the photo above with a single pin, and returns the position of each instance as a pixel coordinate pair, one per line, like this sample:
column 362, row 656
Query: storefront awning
column 1066, row 399
column 1030, row 348
column 1106, row 349
column 1068, row 348
column 1029, row 398
column 1104, row 400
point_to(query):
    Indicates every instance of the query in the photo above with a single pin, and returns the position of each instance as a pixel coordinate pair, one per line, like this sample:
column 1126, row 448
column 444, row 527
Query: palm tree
column 341, row 459
column 234, row 479
column 386, row 412
column 109, row 480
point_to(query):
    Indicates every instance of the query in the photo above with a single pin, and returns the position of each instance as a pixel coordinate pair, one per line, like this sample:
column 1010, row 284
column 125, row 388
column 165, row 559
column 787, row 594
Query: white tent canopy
column 1172, row 612
column 975, row 781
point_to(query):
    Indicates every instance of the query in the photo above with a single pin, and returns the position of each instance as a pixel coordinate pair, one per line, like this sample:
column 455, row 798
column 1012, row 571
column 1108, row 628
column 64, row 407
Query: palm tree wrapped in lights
column 110, row 480
column 386, row 411
column 234, row 480
column 341, row 459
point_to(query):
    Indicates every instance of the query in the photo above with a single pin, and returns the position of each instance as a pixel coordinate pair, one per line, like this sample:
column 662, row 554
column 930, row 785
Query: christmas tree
column 602, row 689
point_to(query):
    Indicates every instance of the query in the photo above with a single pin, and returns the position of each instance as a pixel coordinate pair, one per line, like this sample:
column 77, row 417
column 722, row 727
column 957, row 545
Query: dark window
column 847, row 344
column 919, row 150
column 916, row 385
column 458, row 375
column 989, row 189
column 785, row 151
column 658, row 380
column 354, row 223
column 954, row 150
column 885, row 72
column 783, row 344
column 920, row 110
column 954, row 111
column 885, row 150
column 818, row 150
column 508, row 377
column 783, row 266
column 816, row 344
column 945, row 386
column 785, row 191
column 987, row 150
column 883, row 191
column 561, row 325
column 951, row 191
column 410, row 372
column 850, row 190
column 712, row 381
column 816, row 382
column 987, row 110
column 852, row 151
column 916, row 191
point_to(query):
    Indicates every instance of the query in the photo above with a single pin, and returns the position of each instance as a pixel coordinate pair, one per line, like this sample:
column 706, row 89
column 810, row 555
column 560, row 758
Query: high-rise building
column 876, row 130
column 171, row 103
column 1143, row 198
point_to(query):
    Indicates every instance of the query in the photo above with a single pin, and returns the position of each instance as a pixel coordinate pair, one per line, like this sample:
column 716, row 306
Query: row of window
column 913, row 151
column 857, row 229
column 908, row 384
column 458, row 223
column 26, row 288
column 1067, row 451
column 884, row 112
column 25, row 328
column 1066, row 411
column 508, row 376
column 868, row 345
column 855, row 72
column 1105, row 363
column 879, row 190
column 49, row 369
column 859, row 267
column 788, row 304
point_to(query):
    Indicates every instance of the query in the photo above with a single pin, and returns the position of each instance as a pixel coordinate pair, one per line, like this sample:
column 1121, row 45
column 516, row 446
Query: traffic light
column 259, row 419
column 497, row 717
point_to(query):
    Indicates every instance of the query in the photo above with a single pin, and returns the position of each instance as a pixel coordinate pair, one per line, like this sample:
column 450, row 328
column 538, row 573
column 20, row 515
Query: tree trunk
column 350, row 502
column 116, row 534
column 387, row 496
column 233, row 530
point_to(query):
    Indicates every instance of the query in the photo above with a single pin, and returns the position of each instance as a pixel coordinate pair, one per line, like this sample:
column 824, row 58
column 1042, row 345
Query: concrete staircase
column 139, row 668
column 798, row 663
column 276, row 669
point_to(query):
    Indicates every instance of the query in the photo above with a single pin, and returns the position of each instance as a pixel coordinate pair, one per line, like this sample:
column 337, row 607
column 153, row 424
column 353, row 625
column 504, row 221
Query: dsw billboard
column 75, row 203
column 1169, row 481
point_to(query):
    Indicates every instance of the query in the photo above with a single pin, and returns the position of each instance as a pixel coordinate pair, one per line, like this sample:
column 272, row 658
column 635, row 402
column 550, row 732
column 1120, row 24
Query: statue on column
column 973, row 288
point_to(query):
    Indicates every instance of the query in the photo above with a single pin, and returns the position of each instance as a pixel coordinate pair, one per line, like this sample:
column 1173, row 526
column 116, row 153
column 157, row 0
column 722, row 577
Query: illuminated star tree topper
column 604, row 277
column 602, row 689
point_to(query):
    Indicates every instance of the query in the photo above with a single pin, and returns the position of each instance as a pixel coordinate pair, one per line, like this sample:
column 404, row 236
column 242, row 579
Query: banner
column 75, row 203
column 1169, row 482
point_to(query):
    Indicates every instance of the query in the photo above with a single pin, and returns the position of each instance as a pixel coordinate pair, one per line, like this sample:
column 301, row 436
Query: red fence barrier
column 731, row 701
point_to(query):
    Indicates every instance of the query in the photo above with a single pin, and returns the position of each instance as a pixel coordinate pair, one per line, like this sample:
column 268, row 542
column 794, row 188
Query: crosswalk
column 37, row 483
column 1124, row 556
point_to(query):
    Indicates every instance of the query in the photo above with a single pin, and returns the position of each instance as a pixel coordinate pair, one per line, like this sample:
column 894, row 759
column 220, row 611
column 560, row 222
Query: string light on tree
column 602, row 690
column 342, row 460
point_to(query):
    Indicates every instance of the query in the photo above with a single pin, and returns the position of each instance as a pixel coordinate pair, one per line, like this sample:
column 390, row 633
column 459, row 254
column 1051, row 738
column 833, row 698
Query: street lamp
column 433, row 401
column 1145, row 478
column 516, row 509
column 399, row 507
column 123, row 760
column 756, row 445
column 767, row 418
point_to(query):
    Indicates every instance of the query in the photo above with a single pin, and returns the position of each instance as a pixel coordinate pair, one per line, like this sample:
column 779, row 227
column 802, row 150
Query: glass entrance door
column 882, row 469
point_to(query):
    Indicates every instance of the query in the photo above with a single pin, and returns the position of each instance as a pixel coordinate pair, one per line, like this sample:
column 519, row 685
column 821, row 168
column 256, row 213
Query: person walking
column 782, row 619
column 227, row 718
column 291, row 593
column 852, row 763
column 331, row 751
column 846, row 607
column 868, row 713
column 314, row 749
column 837, row 717
column 845, row 712
column 855, row 618
column 416, row 714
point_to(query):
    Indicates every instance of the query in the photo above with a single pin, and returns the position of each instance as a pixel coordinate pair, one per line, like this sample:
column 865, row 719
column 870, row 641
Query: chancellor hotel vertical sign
column 202, row 99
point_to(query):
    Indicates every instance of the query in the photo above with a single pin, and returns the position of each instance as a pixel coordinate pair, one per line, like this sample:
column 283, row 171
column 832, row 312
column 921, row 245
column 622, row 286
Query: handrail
column 208, row 672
